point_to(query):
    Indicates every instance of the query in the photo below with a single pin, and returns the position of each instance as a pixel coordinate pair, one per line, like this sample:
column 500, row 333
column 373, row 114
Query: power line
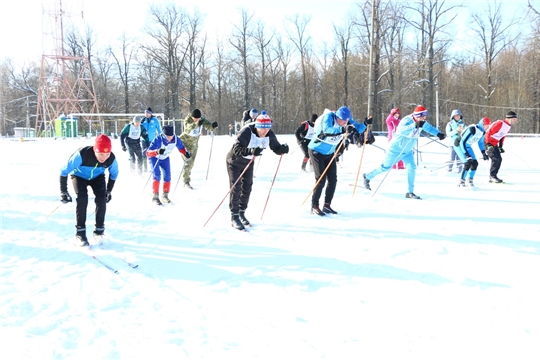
column 487, row 106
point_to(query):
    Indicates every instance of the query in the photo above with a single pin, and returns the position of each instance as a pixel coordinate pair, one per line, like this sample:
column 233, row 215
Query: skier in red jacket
column 494, row 137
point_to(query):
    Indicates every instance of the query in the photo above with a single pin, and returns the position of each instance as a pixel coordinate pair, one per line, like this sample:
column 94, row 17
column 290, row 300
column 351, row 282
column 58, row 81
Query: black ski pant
column 319, row 162
column 496, row 160
column 239, row 195
column 304, row 146
column 135, row 155
column 100, row 191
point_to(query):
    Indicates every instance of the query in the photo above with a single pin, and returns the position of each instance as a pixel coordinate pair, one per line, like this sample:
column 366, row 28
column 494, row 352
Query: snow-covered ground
column 453, row 276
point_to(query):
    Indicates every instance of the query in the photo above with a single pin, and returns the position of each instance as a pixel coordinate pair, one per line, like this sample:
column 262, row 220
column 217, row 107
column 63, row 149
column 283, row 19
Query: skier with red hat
column 87, row 168
column 401, row 147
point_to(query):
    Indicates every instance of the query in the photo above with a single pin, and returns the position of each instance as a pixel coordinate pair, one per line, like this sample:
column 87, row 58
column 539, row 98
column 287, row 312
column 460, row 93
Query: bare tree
column 123, row 66
column 169, row 49
column 492, row 38
column 241, row 40
column 302, row 42
column 195, row 55
column 262, row 43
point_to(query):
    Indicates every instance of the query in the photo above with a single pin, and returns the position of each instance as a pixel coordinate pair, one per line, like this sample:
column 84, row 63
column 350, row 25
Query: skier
column 193, row 125
column 453, row 130
column 249, row 117
column 304, row 133
column 87, row 168
column 495, row 136
column 132, row 135
column 329, row 132
column 471, row 135
column 250, row 142
column 158, row 152
column 401, row 147
column 153, row 129
column 392, row 121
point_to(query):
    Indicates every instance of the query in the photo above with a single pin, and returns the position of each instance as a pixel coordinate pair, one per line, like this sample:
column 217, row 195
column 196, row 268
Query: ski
column 362, row 186
column 88, row 251
column 130, row 264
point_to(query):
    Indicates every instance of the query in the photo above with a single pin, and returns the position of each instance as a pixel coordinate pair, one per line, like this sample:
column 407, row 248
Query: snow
column 455, row 275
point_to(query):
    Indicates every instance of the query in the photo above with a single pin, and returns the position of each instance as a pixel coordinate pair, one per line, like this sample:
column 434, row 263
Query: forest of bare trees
column 175, row 67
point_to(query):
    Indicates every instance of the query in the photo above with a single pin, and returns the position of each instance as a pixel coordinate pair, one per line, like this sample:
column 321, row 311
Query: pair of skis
column 91, row 251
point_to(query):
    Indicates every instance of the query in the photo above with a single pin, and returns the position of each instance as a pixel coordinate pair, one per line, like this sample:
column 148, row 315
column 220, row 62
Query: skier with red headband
column 401, row 147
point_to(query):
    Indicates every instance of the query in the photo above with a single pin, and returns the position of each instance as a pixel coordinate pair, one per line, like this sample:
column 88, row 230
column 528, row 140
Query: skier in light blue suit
column 401, row 147
column 453, row 130
column 473, row 134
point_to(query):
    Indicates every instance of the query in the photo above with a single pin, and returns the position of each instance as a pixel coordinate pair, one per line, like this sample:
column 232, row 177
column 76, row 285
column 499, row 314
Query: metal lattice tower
column 65, row 83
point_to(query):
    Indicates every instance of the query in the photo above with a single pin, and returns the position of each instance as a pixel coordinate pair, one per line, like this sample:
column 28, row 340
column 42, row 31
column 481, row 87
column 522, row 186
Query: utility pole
column 370, row 85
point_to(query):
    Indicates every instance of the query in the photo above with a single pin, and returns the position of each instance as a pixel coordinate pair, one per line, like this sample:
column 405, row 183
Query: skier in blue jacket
column 329, row 130
column 87, row 168
column 401, row 147
column 153, row 129
column 453, row 130
column 473, row 134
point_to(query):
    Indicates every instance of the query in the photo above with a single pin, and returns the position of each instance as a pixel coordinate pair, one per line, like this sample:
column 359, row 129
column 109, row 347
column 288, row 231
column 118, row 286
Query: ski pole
column 361, row 158
column 151, row 173
column 210, row 157
column 180, row 175
column 327, row 167
column 274, row 179
column 46, row 217
column 232, row 187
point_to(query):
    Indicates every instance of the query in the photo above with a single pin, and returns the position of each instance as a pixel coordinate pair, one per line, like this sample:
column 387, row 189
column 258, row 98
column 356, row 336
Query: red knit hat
column 263, row 121
column 103, row 144
column 420, row 111
column 486, row 121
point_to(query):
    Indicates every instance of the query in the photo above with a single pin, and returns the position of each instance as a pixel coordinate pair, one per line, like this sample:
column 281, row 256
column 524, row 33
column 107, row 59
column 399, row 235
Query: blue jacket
column 161, row 142
column 84, row 164
column 406, row 132
column 152, row 126
column 328, row 133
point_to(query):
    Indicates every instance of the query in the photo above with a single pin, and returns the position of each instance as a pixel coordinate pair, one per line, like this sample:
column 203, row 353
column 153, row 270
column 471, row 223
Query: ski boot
column 366, row 183
column 80, row 237
column 328, row 210
column 236, row 223
column 155, row 199
column 243, row 220
column 316, row 211
column 461, row 183
column 412, row 196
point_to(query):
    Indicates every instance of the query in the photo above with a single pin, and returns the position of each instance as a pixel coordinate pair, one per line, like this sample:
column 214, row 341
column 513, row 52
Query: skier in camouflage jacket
column 193, row 125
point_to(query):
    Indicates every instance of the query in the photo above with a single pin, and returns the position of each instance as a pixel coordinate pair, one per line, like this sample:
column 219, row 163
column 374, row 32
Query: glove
column 124, row 148
column 256, row 151
column 214, row 124
column 187, row 154
column 368, row 120
column 441, row 136
column 146, row 144
column 161, row 151
column 283, row 149
column 420, row 123
column 484, row 155
column 351, row 129
column 200, row 123
column 108, row 196
column 65, row 197
column 501, row 150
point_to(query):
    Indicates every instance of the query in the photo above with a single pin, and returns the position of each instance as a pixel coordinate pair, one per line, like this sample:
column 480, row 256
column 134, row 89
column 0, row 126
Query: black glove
column 108, row 196
column 146, row 144
column 200, row 123
column 124, row 148
column 283, row 149
column 484, row 155
column 214, row 124
column 65, row 197
column 501, row 150
column 256, row 151
column 420, row 123
column 161, row 151
column 351, row 129
column 368, row 120
column 441, row 136
column 187, row 154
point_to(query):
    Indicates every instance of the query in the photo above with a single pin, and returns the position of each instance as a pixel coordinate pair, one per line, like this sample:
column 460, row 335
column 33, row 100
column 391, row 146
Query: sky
column 453, row 276
column 110, row 19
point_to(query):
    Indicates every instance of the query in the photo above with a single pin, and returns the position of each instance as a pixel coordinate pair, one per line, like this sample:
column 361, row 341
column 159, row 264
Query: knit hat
column 137, row 119
column 149, row 110
column 168, row 130
column 253, row 113
column 343, row 113
column 196, row 114
column 486, row 121
column 511, row 115
column 103, row 144
column 263, row 121
column 420, row 111
column 314, row 117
